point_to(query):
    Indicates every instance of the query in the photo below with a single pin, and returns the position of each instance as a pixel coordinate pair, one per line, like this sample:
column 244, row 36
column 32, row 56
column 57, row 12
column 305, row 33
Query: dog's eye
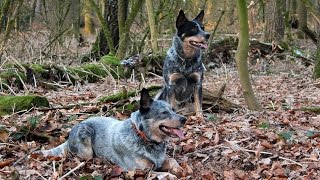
column 194, row 29
column 164, row 112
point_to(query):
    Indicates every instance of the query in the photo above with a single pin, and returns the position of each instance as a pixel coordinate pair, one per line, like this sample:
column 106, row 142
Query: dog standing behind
column 136, row 143
column 183, row 68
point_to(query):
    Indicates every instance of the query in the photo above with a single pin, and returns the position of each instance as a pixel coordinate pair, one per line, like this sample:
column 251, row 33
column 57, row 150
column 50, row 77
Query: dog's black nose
column 207, row 35
column 183, row 120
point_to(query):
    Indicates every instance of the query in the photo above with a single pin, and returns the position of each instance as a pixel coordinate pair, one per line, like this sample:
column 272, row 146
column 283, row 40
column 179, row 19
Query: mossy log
column 231, row 43
column 17, row 75
column 9, row 104
column 314, row 109
column 212, row 100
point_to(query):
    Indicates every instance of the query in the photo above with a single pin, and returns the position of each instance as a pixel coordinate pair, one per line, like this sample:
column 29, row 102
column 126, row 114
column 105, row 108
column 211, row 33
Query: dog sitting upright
column 136, row 143
column 183, row 68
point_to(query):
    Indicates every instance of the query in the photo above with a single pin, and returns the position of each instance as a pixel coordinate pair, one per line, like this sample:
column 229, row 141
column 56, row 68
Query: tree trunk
column 87, row 18
column 242, row 57
column 124, row 37
column 4, row 14
column 75, row 18
column 302, row 17
column 275, row 25
column 152, row 25
column 316, row 71
column 101, row 46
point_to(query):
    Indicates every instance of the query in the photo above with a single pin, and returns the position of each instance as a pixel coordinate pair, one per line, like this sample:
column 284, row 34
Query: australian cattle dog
column 183, row 68
column 136, row 143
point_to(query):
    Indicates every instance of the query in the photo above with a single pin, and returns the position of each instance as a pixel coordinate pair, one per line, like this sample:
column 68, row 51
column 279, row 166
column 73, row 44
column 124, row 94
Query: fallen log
column 10, row 104
column 17, row 75
column 231, row 43
column 212, row 100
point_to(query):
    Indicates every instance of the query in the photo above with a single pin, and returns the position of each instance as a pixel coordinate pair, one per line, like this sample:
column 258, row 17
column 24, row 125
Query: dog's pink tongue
column 204, row 45
column 177, row 132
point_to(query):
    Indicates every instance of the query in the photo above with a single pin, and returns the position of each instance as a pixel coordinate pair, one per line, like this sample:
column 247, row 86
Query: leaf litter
column 280, row 142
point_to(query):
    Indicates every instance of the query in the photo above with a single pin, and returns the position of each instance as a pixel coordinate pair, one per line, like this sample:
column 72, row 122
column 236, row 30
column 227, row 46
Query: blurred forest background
column 72, row 31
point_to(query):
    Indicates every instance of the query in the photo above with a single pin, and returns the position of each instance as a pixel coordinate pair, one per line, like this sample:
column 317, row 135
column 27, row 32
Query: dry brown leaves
column 279, row 143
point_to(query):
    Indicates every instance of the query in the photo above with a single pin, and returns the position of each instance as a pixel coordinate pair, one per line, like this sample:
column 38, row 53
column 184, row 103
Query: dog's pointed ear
column 181, row 19
column 145, row 101
column 200, row 16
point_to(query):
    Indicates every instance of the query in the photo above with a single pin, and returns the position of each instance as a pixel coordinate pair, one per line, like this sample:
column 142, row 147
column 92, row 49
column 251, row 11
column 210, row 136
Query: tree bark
column 124, row 37
column 242, row 56
column 75, row 18
column 108, row 39
column 303, row 19
column 275, row 25
column 88, row 20
column 152, row 26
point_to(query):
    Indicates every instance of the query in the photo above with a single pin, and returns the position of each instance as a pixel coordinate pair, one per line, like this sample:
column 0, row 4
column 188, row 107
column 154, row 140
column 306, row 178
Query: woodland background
column 64, row 61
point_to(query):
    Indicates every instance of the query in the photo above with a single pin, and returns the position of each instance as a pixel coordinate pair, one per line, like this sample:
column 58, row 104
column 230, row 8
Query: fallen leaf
column 266, row 144
column 3, row 135
column 188, row 148
column 6, row 163
column 229, row 175
column 116, row 171
column 207, row 175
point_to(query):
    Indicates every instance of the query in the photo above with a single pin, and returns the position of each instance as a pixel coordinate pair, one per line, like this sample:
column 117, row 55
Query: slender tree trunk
column 108, row 39
column 4, row 14
column 75, row 18
column 275, row 26
column 316, row 71
column 9, row 26
column 87, row 16
column 242, row 57
column 152, row 25
column 124, row 37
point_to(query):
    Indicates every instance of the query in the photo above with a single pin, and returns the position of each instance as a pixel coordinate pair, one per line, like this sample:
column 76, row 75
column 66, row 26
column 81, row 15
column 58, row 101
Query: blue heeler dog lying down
column 135, row 143
column 183, row 68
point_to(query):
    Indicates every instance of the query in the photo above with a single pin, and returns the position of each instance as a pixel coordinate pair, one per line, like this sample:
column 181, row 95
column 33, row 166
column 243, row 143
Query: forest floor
column 280, row 142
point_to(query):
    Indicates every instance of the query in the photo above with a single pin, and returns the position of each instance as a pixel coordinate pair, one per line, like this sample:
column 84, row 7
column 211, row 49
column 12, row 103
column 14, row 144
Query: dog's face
column 192, row 32
column 159, row 121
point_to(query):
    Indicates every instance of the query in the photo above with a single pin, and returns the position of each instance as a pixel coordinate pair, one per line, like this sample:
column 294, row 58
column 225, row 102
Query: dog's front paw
column 172, row 166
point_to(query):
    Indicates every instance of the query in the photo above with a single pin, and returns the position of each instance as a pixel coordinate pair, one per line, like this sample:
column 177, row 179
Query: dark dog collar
column 142, row 135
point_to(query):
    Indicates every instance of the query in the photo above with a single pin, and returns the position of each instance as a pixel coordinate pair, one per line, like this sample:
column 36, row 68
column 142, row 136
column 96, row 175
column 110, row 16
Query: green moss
column 38, row 68
column 9, row 104
column 114, row 65
column 89, row 72
column 130, row 107
column 11, row 77
column 314, row 109
column 110, row 60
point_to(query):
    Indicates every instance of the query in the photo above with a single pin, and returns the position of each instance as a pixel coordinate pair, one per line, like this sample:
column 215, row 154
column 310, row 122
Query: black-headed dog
column 183, row 68
column 135, row 143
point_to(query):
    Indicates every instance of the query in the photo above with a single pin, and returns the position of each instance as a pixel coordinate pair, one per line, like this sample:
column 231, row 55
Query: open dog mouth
column 202, row 45
column 172, row 131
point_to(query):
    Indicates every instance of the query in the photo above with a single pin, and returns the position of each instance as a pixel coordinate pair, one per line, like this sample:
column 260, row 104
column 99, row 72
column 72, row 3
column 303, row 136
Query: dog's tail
column 60, row 150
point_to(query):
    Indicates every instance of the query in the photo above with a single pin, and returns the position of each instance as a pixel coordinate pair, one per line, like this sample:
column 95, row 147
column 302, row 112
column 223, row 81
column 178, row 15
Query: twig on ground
column 11, row 90
column 22, row 158
column 7, row 144
column 242, row 149
column 72, row 170
column 39, row 174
